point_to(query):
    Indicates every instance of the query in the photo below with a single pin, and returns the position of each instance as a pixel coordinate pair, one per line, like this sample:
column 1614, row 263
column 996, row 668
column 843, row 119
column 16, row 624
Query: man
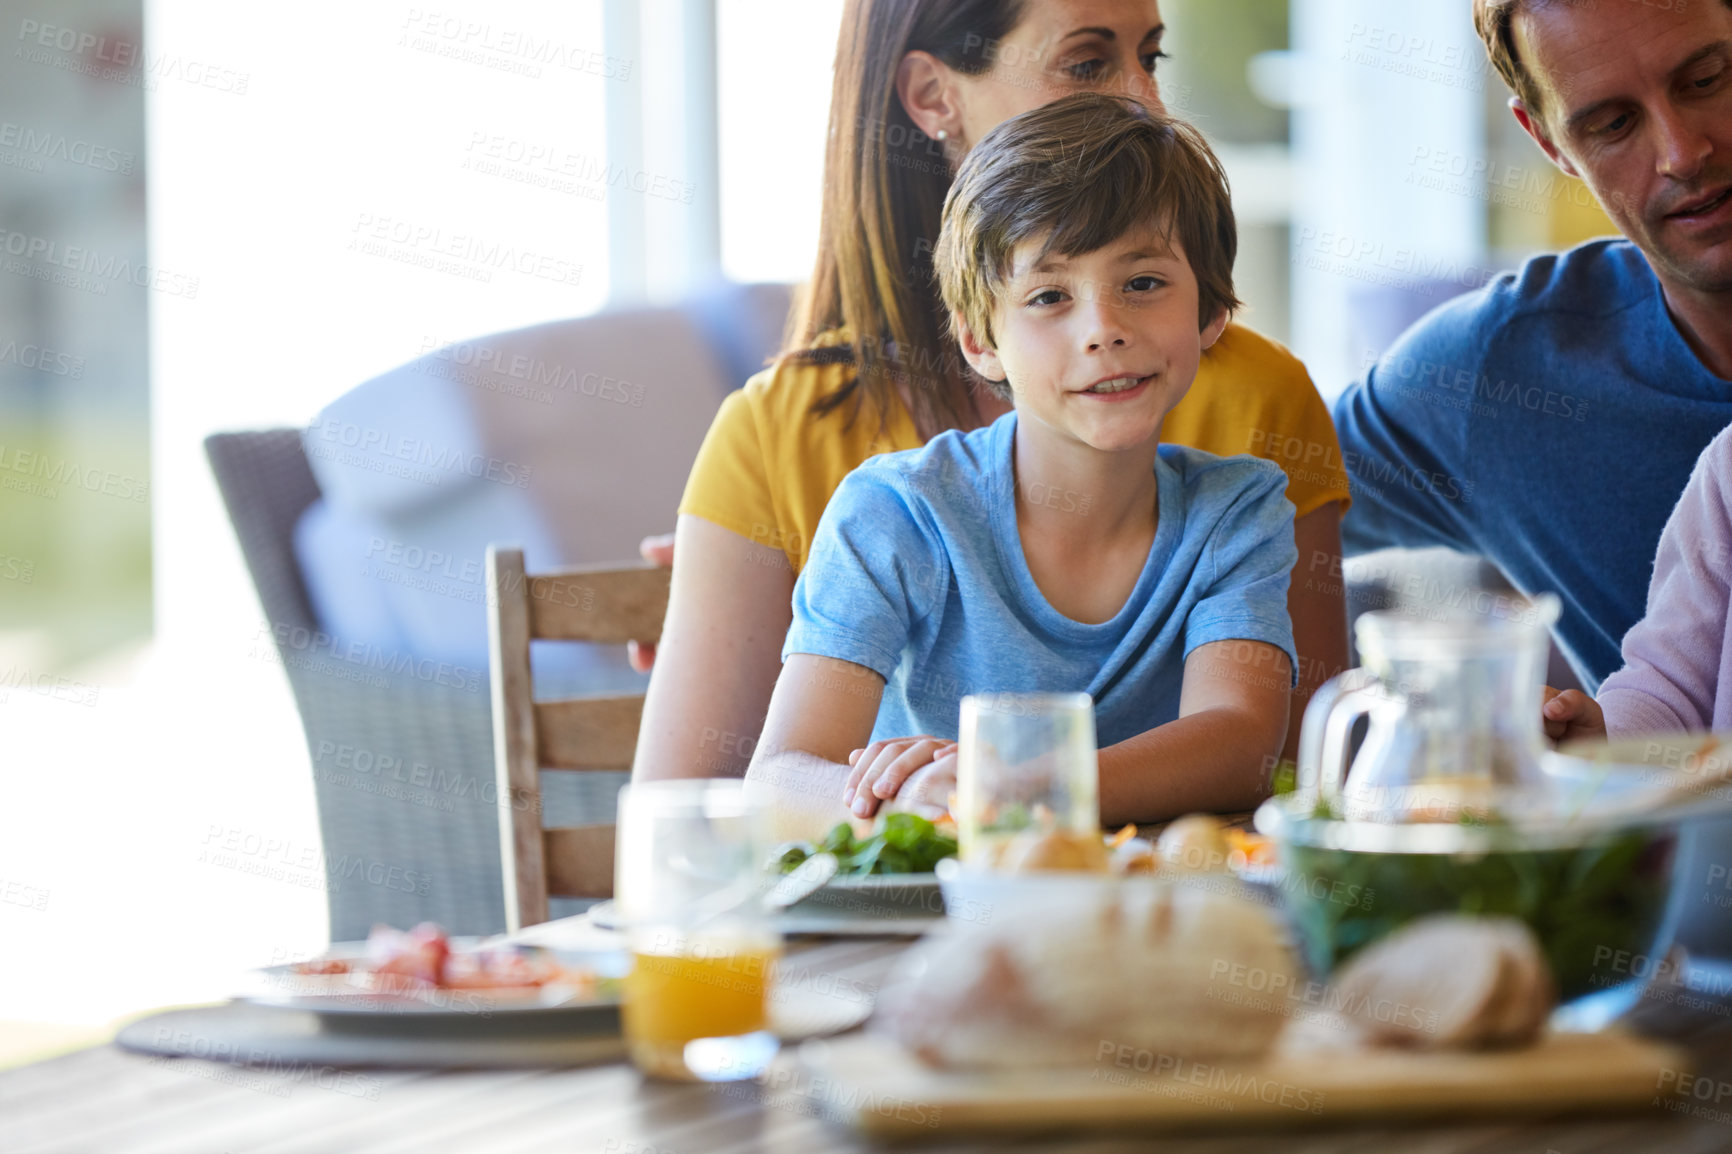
column 1550, row 420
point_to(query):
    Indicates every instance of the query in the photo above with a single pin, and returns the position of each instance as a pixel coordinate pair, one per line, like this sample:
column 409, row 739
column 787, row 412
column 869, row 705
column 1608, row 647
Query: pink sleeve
column 1672, row 656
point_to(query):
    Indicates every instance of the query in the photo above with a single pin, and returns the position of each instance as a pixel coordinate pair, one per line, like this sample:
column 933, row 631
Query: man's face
column 1099, row 347
column 1637, row 101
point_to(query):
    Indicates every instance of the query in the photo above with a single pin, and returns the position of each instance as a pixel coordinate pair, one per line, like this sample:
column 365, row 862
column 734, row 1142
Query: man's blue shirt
column 917, row 572
column 1549, row 422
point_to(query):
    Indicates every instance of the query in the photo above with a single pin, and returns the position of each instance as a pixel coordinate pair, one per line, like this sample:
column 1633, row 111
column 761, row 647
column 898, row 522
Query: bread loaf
column 1186, row 969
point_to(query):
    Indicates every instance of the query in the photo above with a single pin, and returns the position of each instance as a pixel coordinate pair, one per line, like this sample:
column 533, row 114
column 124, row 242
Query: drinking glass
column 690, row 868
column 1025, row 762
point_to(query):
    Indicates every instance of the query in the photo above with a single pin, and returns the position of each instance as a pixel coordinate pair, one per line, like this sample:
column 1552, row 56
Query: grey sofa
column 399, row 733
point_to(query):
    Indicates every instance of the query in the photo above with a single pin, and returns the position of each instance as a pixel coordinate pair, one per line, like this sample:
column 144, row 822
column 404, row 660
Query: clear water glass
column 1025, row 761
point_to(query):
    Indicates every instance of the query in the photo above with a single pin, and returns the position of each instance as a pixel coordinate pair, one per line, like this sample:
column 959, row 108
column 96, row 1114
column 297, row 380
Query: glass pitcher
column 1453, row 699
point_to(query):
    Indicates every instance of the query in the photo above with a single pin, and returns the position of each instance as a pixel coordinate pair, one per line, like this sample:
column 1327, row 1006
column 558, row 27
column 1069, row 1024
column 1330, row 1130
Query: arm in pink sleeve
column 1672, row 656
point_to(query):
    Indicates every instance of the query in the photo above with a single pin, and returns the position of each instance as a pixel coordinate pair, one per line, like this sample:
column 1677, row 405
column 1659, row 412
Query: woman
column 868, row 367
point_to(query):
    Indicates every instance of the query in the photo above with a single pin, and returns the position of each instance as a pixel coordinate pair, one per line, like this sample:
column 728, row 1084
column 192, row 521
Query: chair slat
column 579, row 861
column 601, row 604
column 588, row 732
column 608, row 606
column 514, row 754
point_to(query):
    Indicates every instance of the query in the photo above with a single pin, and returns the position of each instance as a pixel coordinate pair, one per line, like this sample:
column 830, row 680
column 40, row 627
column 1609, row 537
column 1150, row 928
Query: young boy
column 1086, row 256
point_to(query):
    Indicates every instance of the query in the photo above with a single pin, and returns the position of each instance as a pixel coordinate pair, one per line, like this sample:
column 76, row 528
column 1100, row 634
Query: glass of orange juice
column 690, row 868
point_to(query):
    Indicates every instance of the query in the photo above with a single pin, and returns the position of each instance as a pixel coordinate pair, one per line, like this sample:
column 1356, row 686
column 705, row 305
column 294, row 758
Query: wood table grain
column 103, row 1100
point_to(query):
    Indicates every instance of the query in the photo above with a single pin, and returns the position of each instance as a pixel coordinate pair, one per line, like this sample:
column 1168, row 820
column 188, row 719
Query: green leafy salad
column 1584, row 903
column 902, row 843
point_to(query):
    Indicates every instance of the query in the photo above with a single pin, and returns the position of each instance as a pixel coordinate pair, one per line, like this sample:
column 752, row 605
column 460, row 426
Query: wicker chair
column 402, row 766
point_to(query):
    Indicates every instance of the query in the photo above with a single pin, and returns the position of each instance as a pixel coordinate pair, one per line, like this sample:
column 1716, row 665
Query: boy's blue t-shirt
column 917, row 572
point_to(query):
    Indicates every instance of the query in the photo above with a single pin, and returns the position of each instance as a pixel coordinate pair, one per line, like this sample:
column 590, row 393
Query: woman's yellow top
column 768, row 467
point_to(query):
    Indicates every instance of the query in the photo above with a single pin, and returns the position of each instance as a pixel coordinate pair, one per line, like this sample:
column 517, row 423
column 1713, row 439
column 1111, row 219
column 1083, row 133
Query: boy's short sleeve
column 876, row 570
column 1250, row 560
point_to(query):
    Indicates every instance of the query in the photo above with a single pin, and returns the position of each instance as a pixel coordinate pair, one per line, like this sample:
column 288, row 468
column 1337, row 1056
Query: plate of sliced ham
column 424, row 971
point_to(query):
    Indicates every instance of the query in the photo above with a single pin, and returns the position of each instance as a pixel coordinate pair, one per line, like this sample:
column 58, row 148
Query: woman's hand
column 882, row 767
column 1571, row 715
column 657, row 551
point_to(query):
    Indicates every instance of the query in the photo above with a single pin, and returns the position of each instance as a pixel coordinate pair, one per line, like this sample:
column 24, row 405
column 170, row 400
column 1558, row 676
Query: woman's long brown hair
column 884, row 187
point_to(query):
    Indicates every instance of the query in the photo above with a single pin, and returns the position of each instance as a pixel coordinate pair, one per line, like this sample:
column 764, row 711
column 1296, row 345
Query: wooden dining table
column 106, row 1100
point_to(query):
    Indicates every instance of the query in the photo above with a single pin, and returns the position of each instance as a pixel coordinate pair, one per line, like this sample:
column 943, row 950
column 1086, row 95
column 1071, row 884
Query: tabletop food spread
column 1430, row 940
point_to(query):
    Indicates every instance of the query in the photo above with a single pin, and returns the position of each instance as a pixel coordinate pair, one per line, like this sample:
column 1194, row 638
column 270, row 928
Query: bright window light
column 774, row 80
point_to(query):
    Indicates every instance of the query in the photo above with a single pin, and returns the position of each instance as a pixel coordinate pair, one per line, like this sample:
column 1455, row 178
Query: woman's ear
column 927, row 89
column 1213, row 330
column 982, row 358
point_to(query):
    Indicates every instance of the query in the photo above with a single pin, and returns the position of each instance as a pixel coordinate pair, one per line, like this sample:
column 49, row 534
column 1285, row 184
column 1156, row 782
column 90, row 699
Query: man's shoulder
column 1579, row 300
column 1597, row 279
column 1591, row 282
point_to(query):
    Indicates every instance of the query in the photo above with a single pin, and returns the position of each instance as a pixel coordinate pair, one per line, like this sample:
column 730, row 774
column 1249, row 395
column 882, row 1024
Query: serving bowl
column 1596, row 877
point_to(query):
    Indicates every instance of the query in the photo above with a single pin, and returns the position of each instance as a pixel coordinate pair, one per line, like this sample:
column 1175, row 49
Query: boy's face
column 1098, row 347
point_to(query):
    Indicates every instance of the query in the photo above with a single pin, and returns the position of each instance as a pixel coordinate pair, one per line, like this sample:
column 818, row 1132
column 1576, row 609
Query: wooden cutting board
column 875, row 1086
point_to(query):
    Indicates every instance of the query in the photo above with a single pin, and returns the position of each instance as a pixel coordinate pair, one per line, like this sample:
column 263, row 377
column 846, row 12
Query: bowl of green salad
column 1598, row 883
column 885, row 871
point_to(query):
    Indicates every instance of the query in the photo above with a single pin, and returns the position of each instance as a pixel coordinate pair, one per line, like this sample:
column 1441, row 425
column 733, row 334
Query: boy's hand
column 928, row 792
column 881, row 768
column 1571, row 715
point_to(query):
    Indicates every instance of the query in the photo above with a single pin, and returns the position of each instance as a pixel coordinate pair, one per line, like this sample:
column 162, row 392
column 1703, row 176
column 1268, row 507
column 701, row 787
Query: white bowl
column 977, row 897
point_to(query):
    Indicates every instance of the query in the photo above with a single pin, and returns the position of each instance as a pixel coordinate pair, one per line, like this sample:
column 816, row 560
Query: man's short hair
column 1083, row 172
column 1495, row 21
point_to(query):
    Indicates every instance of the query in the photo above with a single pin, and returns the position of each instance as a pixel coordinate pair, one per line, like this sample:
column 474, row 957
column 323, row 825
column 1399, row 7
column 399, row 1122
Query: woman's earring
column 943, row 134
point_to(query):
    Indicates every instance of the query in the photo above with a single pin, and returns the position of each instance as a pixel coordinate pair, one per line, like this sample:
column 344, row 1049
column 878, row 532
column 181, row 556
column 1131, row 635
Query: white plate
column 881, row 881
column 872, row 905
column 911, row 894
column 358, row 993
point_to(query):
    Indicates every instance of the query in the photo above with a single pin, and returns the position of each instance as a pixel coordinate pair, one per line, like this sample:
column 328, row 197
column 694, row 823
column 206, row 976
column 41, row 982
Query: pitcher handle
column 1329, row 718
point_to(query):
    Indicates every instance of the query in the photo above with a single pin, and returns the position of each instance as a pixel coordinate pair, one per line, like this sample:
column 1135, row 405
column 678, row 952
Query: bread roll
column 1194, row 842
column 1449, row 981
column 1179, row 970
column 1034, row 851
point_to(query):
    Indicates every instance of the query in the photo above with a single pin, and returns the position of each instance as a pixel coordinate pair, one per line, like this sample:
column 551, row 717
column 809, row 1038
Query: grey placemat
column 248, row 1035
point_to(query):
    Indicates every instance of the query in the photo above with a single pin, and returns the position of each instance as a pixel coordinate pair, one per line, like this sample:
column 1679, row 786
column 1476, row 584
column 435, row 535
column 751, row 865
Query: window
column 774, row 72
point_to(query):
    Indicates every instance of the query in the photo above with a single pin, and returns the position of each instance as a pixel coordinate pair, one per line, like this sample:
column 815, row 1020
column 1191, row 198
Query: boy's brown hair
column 1083, row 172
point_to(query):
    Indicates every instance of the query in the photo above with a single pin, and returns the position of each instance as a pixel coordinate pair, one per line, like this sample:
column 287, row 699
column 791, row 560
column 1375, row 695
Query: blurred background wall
column 75, row 292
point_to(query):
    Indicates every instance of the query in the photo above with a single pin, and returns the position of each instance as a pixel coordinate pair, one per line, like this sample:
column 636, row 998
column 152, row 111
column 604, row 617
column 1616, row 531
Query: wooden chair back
column 605, row 605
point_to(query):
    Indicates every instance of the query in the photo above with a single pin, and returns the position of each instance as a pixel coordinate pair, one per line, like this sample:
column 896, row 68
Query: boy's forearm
column 803, row 791
column 1214, row 760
